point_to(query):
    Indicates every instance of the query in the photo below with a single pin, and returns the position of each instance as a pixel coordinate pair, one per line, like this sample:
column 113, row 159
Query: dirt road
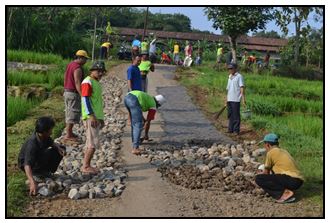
column 147, row 194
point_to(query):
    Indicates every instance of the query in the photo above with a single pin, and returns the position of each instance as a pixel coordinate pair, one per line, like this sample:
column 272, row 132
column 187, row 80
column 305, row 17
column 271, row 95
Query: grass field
column 291, row 108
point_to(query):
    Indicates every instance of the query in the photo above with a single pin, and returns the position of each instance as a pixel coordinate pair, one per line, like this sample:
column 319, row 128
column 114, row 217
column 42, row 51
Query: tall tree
column 299, row 16
column 237, row 21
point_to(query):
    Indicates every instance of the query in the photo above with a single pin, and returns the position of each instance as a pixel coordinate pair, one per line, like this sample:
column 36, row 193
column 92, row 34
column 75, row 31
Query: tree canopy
column 237, row 21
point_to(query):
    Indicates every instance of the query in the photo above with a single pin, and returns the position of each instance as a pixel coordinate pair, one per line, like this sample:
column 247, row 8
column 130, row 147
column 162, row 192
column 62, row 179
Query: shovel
column 216, row 116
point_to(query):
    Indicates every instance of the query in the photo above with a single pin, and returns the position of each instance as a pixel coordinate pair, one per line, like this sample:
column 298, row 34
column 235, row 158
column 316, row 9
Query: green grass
column 18, row 108
column 289, row 107
column 33, row 57
column 16, row 196
column 17, row 78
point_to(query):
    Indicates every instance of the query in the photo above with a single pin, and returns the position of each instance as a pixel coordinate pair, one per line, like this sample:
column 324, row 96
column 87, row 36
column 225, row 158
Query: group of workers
column 40, row 156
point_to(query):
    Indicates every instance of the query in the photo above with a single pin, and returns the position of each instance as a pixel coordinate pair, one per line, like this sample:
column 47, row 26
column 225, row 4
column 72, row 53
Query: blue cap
column 271, row 137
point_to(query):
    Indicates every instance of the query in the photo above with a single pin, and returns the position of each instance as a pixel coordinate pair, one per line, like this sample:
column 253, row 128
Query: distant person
column 134, row 75
column 281, row 176
column 145, row 66
column 244, row 60
column 266, row 59
column 92, row 113
column 144, row 47
column 40, row 157
column 176, row 52
column 235, row 94
column 219, row 53
column 105, row 50
column 152, row 51
column 198, row 60
column 136, row 45
column 188, row 50
column 74, row 75
column 252, row 59
column 136, row 103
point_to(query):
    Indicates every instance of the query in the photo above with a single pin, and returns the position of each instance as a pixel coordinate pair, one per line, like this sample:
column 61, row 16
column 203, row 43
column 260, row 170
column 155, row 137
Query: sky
column 199, row 20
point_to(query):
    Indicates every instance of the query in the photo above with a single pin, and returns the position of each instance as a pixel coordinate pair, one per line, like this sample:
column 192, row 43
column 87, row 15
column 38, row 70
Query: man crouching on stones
column 136, row 103
column 285, row 177
column 40, row 156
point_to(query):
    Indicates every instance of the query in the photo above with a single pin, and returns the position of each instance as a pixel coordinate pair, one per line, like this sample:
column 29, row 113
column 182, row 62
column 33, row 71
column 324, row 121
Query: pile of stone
column 224, row 167
column 110, row 181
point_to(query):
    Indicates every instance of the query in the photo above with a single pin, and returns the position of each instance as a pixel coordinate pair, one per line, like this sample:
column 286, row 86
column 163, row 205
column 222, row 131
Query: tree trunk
column 94, row 37
column 232, row 42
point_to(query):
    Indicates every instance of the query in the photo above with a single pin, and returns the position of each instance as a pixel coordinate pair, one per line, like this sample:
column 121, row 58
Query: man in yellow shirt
column 285, row 177
column 105, row 48
column 176, row 53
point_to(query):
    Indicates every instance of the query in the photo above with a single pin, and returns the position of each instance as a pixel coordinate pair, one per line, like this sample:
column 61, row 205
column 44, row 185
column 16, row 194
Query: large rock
column 74, row 194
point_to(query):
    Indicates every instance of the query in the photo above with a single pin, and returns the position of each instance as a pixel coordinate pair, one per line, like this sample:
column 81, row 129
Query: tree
column 237, row 21
column 299, row 16
column 263, row 33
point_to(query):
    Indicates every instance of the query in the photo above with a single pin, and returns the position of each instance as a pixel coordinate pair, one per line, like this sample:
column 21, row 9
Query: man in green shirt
column 92, row 112
column 145, row 66
column 136, row 103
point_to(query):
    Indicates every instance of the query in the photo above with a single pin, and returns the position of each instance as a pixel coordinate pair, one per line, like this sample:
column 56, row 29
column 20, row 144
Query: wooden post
column 145, row 24
column 94, row 37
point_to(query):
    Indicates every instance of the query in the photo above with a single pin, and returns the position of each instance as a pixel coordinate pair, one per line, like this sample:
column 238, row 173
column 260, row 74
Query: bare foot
column 89, row 170
column 286, row 195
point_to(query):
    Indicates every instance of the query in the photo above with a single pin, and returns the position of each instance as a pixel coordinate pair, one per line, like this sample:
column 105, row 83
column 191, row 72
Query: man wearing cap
column 144, row 67
column 235, row 94
column 72, row 80
column 92, row 112
column 105, row 49
column 136, row 103
column 285, row 177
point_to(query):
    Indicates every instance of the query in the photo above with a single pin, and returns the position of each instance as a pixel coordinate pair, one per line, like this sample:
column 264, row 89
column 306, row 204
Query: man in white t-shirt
column 235, row 93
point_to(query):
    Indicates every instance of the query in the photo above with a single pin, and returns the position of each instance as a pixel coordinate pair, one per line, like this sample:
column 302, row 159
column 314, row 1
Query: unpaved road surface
column 147, row 194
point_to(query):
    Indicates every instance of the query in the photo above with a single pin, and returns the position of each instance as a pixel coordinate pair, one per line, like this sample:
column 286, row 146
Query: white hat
column 160, row 99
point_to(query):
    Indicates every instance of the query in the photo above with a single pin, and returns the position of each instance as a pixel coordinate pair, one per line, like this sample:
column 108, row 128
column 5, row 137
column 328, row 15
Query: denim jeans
column 134, row 108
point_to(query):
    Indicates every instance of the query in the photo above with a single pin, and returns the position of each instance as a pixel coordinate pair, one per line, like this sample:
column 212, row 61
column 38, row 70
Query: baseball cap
column 160, row 99
column 98, row 65
column 271, row 137
column 232, row 65
column 82, row 53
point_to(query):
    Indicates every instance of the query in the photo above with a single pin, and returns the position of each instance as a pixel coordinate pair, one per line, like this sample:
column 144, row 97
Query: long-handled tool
column 216, row 116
